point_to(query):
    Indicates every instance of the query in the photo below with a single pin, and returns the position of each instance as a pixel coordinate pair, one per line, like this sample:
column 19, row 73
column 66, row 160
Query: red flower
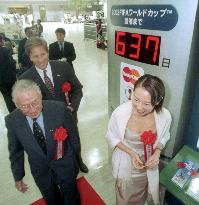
column 181, row 165
column 60, row 134
column 66, row 87
column 148, row 137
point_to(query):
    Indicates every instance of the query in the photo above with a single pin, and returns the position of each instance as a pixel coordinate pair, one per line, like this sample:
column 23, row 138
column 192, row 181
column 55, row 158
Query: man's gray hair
column 22, row 86
column 34, row 42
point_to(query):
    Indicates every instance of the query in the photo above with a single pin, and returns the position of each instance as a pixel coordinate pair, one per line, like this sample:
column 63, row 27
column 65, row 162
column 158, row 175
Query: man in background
column 23, row 59
column 7, row 74
column 62, row 50
column 8, row 43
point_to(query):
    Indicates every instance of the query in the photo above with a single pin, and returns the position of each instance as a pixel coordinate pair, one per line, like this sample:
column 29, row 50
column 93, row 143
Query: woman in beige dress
column 137, row 179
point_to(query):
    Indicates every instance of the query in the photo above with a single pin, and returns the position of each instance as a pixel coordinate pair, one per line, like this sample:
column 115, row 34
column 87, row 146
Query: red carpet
column 87, row 194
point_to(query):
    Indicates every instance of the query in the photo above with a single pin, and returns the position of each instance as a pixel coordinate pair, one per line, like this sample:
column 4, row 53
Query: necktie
column 39, row 136
column 62, row 49
column 49, row 84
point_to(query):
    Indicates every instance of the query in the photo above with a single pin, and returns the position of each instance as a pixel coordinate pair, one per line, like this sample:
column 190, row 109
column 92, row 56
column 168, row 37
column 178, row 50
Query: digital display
column 138, row 47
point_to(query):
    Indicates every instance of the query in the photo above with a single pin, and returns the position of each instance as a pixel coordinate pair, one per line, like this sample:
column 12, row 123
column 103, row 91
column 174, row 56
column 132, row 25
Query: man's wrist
column 70, row 108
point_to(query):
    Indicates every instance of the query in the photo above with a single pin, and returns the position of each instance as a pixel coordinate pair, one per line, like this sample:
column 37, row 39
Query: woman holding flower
column 137, row 132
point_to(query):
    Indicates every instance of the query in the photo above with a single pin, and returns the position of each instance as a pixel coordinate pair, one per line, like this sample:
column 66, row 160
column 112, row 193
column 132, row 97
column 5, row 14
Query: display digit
column 120, row 45
column 135, row 46
column 157, row 41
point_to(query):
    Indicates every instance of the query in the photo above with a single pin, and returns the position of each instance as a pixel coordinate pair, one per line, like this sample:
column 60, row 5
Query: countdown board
column 138, row 47
column 158, row 37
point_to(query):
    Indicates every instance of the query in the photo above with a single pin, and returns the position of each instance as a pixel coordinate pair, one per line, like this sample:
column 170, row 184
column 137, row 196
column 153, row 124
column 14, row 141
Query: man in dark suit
column 51, row 76
column 23, row 59
column 34, row 127
column 7, row 74
column 62, row 50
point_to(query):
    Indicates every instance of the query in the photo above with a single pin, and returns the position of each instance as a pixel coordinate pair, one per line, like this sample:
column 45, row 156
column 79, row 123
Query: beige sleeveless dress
column 133, row 191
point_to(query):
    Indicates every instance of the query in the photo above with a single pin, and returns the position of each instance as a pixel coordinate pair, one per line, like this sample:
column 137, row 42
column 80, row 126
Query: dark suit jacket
column 21, row 138
column 61, row 72
column 56, row 54
column 7, row 67
column 23, row 58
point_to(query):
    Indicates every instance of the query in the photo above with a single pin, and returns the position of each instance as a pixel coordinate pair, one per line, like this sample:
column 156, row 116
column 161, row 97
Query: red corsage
column 148, row 138
column 181, row 165
column 66, row 88
column 60, row 135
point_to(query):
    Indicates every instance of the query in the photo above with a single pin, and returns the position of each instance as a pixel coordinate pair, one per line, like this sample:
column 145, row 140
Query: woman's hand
column 137, row 162
column 153, row 160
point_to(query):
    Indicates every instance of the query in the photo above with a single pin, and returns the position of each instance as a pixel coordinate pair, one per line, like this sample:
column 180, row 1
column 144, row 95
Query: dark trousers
column 66, row 193
column 6, row 92
column 78, row 154
column 52, row 195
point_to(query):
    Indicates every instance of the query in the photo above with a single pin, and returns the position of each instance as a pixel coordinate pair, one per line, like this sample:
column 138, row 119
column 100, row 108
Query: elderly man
column 56, row 79
column 46, row 131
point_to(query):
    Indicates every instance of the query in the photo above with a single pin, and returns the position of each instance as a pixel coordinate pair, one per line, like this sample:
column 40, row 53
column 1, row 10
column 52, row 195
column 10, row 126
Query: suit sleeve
column 53, row 55
column 73, row 133
column 16, row 153
column 72, row 55
column 76, row 93
column 27, row 75
column 8, row 67
column 12, row 62
column 20, row 51
column 51, row 52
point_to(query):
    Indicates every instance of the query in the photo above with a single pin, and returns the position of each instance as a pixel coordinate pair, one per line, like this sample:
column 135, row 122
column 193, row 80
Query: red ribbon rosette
column 148, row 138
column 66, row 88
column 181, row 165
column 60, row 135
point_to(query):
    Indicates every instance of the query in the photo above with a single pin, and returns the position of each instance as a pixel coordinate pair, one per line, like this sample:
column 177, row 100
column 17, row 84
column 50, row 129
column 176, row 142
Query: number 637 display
column 138, row 47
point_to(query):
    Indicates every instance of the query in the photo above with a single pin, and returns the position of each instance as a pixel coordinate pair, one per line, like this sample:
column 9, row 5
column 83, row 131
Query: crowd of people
column 48, row 89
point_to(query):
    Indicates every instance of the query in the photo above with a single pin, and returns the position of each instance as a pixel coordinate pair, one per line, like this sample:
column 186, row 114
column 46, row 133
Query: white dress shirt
column 48, row 72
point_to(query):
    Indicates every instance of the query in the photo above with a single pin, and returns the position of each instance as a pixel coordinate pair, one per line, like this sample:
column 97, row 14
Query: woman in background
column 39, row 28
column 137, row 179
column 99, row 33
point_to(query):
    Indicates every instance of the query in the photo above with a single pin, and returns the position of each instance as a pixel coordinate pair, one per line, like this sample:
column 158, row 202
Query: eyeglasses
column 33, row 104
